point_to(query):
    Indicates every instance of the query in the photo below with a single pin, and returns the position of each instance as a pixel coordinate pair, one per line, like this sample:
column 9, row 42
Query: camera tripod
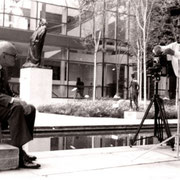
column 160, row 121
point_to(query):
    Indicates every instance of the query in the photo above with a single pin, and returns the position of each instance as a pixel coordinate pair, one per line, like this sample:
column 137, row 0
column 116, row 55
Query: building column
column 62, row 88
column 125, row 82
column 107, row 76
column 43, row 11
column 33, row 14
column 64, row 20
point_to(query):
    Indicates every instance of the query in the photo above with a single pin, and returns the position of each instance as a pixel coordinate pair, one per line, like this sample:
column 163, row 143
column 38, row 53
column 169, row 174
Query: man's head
column 8, row 54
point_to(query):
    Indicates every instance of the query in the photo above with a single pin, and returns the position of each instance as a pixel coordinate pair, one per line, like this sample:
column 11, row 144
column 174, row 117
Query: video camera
column 157, row 64
column 155, row 70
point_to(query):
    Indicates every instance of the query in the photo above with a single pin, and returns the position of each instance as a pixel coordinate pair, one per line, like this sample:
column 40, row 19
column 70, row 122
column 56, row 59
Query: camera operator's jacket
column 174, row 59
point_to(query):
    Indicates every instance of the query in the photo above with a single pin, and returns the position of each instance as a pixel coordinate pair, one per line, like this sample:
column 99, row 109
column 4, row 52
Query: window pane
column 73, row 22
column 122, row 31
column 111, row 25
column 55, row 16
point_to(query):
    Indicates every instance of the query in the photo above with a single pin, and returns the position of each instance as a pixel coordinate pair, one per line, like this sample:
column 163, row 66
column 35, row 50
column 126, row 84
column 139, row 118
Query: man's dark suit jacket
column 5, row 91
column 12, row 114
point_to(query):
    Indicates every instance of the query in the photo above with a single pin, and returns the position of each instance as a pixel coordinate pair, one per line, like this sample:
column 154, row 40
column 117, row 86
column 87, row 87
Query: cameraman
column 172, row 49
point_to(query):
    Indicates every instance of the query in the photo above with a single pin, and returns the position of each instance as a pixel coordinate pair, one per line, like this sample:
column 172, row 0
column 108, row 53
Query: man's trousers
column 21, row 126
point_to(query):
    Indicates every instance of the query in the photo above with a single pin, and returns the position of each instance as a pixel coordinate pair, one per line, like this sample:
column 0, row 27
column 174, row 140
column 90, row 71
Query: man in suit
column 14, row 112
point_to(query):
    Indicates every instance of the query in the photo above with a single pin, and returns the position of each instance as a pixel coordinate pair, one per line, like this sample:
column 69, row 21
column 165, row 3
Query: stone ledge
column 9, row 157
column 133, row 115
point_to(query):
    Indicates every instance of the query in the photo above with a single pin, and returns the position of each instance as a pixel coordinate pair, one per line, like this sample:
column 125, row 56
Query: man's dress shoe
column 29, row 165
column 29, row 157
column 25, row 161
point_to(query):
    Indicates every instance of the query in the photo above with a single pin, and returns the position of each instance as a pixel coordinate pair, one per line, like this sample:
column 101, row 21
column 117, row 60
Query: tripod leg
column 158, row 127
column 164, row 119
column 163, row 115
column 156, row 120
column 141, row 124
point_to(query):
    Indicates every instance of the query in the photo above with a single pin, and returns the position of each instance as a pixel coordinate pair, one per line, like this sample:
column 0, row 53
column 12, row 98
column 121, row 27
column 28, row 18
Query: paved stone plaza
column 100, row 163
column 104, row 163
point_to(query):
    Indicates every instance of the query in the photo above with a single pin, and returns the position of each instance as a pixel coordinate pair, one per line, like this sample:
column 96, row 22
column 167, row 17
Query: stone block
column 36, row 85
column 133, row 115
column 9, row 157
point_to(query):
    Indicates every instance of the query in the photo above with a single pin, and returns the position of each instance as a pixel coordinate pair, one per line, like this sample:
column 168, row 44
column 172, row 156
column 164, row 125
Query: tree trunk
column 144, row 67
column 96, row 42
column 94, row 75
column 117, row 79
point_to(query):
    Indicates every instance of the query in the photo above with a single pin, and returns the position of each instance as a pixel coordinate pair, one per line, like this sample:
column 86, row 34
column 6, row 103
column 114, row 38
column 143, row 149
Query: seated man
column 14, row 112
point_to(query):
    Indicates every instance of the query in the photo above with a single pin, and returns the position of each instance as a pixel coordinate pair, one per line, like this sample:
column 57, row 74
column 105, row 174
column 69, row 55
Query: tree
column 121, row 44
column 162, row 26
column 142, row 10
column 104, row 11
column 92, row 42
column 161, row 31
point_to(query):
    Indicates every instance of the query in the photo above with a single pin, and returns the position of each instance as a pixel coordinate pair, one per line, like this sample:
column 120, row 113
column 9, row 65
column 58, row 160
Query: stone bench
column 9, row 155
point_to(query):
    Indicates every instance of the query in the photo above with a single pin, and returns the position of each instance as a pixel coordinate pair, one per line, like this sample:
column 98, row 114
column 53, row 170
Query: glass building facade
column 69, row 28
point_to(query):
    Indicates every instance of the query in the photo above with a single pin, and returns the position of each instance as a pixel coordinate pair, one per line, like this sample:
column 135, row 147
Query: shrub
column 100, row 108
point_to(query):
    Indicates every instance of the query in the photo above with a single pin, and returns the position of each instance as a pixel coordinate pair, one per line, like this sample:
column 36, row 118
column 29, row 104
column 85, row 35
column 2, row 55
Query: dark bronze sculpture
column 36, row 45
column 134, row 91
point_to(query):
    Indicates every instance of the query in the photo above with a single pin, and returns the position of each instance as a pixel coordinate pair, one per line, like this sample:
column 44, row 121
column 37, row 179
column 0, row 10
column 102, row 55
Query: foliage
column 100, row 108
column 161, row 27
column 86, row 108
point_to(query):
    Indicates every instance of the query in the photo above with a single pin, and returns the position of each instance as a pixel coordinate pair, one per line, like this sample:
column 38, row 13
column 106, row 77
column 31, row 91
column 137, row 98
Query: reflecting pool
column 81, row 142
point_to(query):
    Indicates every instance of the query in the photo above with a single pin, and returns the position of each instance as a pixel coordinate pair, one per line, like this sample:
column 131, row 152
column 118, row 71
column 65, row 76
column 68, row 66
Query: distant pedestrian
column 80, row 88
column 134, row 91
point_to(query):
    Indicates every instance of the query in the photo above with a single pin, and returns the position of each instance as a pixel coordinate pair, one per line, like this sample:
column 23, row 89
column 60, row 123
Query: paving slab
column 137, row 162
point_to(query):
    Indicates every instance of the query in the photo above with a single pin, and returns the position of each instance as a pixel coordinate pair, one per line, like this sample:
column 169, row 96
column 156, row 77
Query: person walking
column 80, row 88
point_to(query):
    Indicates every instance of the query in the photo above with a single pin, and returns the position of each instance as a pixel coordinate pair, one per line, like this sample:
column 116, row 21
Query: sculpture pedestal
column 9, row 157
column 133, row 115
column 36, row 85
